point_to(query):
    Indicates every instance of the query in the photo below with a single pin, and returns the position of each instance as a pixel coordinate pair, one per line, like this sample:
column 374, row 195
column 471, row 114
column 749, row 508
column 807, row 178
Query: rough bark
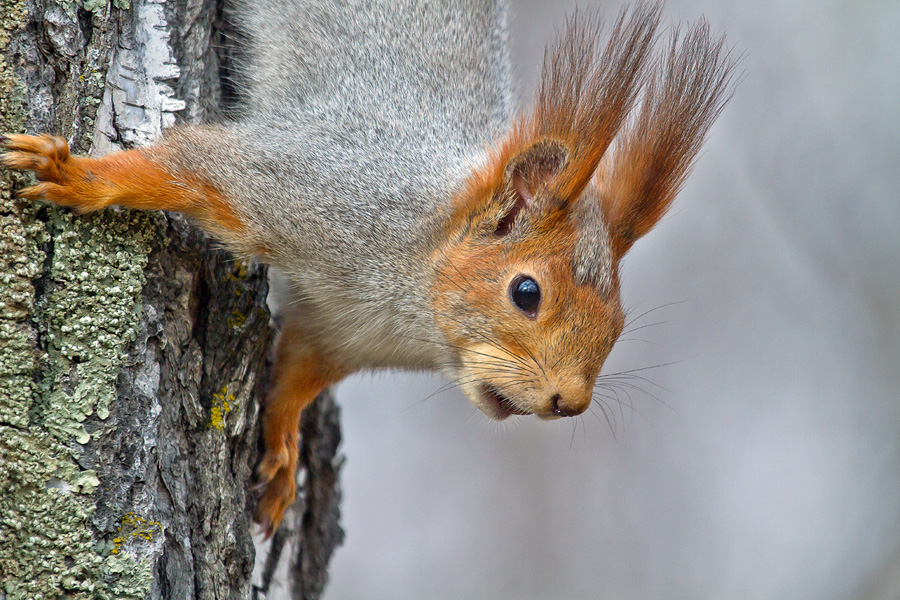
column 133, row 354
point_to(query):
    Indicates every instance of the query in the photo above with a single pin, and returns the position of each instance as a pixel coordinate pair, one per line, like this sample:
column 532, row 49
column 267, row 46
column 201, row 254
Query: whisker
column 647, row 326
column 630, row 339
column 605, row 416
column 494, row 344
column 620, row 403
column 453, row 281
column 652, row 310
column 660, row 365
column 615, row 378
column 464, row 349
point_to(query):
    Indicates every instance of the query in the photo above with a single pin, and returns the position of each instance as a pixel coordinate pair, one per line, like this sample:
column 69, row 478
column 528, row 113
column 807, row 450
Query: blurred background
column 762, row 459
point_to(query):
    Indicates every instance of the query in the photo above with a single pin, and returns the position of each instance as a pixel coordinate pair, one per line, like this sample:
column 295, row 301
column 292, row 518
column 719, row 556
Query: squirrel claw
column 52, row 147
column 64, row 179
column 272, row 462
column 277, row 496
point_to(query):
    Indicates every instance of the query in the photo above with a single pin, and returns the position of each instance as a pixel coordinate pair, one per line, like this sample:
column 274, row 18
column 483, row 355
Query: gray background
column 769, row 466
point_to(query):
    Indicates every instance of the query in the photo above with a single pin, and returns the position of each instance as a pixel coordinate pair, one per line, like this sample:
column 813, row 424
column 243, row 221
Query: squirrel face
column 515, row 357
column 524, row 333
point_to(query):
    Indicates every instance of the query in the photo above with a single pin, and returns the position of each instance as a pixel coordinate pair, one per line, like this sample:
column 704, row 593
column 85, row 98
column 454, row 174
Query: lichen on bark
column 48, row 547
column 64, row 335
column 133, row 353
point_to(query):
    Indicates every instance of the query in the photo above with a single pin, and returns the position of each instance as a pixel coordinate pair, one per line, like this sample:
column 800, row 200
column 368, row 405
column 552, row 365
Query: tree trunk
column 133, row 354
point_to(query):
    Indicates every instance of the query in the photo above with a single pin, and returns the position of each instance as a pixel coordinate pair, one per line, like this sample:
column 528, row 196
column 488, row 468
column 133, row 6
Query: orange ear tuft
column 586, row 92
column 587, row 89
column 652, row 160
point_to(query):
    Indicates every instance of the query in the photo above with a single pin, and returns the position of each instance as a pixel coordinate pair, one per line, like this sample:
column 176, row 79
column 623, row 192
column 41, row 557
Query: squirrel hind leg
column 301, row 373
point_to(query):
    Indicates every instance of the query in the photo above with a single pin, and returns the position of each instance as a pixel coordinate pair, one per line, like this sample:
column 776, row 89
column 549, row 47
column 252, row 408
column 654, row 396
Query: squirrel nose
column 561, row 408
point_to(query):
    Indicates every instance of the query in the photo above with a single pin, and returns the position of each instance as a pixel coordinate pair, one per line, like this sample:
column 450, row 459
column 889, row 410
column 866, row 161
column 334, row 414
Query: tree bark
column 133, row 353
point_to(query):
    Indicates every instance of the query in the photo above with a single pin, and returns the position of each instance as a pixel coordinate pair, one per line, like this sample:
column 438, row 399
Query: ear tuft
column 653, row 157
column 588, row 87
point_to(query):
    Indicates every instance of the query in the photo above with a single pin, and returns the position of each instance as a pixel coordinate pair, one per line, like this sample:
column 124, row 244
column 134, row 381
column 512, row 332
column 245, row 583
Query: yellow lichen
column 221, row 407
column 134, row 527
column 237, row 319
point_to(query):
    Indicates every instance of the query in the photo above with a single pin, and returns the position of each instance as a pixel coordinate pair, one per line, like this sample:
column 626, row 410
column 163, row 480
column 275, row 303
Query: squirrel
column 420, row 221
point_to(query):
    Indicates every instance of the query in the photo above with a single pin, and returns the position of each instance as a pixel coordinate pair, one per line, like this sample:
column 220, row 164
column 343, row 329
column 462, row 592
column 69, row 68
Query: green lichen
column 12, row 118
column 89, row 317
column 86, row 318
column 94, row 5
column 18, row 266
column 92, row 315
column 46, row 550
column 19, row 256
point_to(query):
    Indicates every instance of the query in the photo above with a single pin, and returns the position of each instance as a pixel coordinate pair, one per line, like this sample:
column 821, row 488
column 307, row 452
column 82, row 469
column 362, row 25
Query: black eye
column 525, row 294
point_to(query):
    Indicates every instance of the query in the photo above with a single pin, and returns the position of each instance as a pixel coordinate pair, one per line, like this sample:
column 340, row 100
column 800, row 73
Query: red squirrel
column 420, row 221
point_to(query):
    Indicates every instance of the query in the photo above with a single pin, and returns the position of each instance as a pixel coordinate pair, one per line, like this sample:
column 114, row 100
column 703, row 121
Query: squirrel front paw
column 65, row 179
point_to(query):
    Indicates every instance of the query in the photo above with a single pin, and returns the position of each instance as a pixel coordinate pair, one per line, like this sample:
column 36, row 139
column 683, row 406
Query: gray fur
column 593, row 262
column 367, row 116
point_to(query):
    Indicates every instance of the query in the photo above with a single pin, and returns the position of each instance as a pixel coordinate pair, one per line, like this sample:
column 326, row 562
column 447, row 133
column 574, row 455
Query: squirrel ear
column 654, row 155
column 527, row 175
column 535, row 168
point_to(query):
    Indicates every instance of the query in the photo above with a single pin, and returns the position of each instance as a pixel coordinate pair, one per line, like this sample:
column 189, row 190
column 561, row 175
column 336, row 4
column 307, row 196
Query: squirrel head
column 526, row 287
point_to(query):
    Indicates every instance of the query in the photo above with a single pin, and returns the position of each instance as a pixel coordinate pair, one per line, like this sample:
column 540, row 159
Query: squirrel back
column 404, row 94
column 435, row 72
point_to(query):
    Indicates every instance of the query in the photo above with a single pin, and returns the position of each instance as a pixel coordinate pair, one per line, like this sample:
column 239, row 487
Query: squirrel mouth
column 499, row 406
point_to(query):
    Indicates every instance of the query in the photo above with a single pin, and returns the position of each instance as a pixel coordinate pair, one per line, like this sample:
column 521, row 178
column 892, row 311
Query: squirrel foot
column 279, row 490
column 280, row 453
column 301, row 372
column 276, row 472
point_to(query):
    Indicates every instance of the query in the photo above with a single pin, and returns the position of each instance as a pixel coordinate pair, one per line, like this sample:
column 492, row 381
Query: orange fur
column 134, row 178
column 301, row 373
column 638, row 183
column 560, row 351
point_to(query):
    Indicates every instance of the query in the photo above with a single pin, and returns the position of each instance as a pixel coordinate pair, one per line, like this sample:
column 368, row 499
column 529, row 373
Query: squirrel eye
column 525, row 294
